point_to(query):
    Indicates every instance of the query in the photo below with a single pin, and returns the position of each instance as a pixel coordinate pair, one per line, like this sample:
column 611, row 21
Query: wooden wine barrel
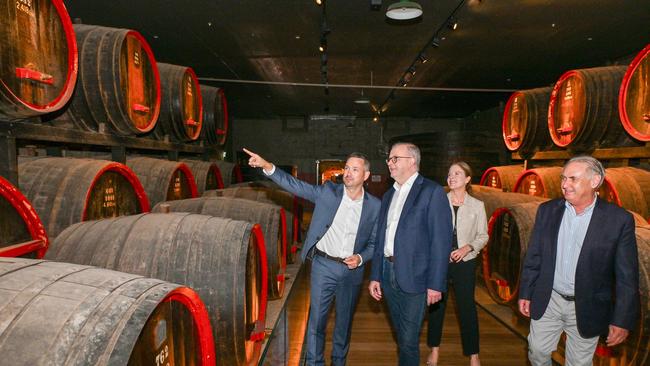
column 21, row 230
column 215, row 115
column 226, row 169
column 629, row 188
column 494, row 198
column 222, row 259
column 541, row 182
column 276, row 196
column 38, row 58
column 583, row 109
column 118, row 84
column 525, row 121
column 207, row 175
column 181, row 110
column 237, row 174
column 163, row 180
column 509, row 229
column 502, row 177
column 634, row 97
column 271, row 218
column 64, row 191
column 68, row 314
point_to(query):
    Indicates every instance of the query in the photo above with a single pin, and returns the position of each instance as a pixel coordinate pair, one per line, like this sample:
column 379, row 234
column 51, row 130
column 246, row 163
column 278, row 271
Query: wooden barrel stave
column 634, row 97
column 82, row 315
column 181, row 110
column 64, row 191
column 226, row 169
column 629, row 188
column 21, row 230
column 502, row 177
column 215, row 115
column 541, row 182
column 38, row 58
column 163, row 180
column 207, row 175
column 525, row 121
column 222, row 259
column 270, row 216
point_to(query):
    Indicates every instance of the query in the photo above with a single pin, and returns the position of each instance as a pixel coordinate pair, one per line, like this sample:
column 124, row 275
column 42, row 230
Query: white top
column 339, row 239
column 395, row 211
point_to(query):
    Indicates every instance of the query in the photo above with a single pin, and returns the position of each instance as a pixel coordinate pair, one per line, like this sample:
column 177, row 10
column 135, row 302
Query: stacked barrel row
column 220, row 250
column 584, row 110
column 100, row 79
column 512, row 216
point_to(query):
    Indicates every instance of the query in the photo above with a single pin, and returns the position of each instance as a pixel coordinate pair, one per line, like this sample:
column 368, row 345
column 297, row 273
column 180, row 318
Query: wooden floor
column 373, row 341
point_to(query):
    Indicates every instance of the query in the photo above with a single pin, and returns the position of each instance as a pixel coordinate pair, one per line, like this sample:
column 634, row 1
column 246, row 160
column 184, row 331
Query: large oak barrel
column 21, row 230
column 629, row 188
column 634, row 97
column 502, row 177
column 541, row 182
column 163, row 180
column 494, row 198
column 509, row 229
column 222, row 259
column 181, row 111
column 271, row 218
column 38, row 58
column 207, row 175
column 118, row 84
column 68, row 314
column 525, row 121
column 67, row 190
column 215, row 115
column 276, row 196
column 226, row 169
column 583, row 110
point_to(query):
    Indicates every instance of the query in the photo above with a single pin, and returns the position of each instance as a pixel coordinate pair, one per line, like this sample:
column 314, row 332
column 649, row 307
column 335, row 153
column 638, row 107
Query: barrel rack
column 56, row 138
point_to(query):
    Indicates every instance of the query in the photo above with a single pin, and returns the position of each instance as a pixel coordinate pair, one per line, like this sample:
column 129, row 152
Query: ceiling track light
column 319, row 2
column 435, row 43
column 404, row 10
column 452, row 23
column 423, row 58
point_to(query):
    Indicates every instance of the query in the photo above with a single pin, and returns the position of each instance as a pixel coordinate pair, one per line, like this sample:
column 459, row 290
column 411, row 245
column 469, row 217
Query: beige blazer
column 472, row 225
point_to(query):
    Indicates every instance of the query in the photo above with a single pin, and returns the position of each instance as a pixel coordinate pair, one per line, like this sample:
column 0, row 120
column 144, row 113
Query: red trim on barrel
column 224, row 106
column 283, row 224
column 199, row 100
column 193, row 303
column 551, row 108
column 505, row 124
column 236, row 172
column 486, row 258
column 521, row 178
column 622, row 96
column 156, row 76
column 259, row 240
column 29, row 216
column 485, row 175
column 190, row 179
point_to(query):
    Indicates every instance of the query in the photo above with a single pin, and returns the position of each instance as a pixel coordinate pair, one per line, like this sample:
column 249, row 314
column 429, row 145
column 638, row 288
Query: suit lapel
column 411, row 198
column 593, row 231
column 556, row 221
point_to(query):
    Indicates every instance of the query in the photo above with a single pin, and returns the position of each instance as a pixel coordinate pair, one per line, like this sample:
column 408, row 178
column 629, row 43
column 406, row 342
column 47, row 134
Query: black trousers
column 462, row 276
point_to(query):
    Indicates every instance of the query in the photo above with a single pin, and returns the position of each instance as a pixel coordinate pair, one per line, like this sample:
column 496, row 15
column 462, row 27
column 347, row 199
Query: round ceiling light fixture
column 404, row 10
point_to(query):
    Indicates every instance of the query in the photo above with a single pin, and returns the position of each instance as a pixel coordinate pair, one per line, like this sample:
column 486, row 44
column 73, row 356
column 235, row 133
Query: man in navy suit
column 581, row 271
column 414, row 232
column 339, row 241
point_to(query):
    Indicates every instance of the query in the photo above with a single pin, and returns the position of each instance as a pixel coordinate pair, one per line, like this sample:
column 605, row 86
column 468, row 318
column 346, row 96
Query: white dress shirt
column 339, row 239
column 395, row 211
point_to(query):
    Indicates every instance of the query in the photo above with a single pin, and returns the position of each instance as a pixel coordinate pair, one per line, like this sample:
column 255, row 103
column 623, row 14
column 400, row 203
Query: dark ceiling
column 499, row 45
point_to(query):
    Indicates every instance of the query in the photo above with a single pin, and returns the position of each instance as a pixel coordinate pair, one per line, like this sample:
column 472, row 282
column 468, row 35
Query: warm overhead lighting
column 321, row 48
column 452, row 24
column 412, row 70
column 375, row 118
column 404, row 10
column 423, row 58
column 362, row 100
column 319, row 2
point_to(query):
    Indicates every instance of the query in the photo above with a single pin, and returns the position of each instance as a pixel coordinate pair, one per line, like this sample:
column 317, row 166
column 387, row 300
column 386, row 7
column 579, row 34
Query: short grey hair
column 593, row 165
column 358, row 155
column 412, row 149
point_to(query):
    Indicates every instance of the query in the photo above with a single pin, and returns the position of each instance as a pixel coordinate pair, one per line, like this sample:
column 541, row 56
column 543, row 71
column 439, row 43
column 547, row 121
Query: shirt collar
column 408, row 183
column 348, row 198
column 588, row 209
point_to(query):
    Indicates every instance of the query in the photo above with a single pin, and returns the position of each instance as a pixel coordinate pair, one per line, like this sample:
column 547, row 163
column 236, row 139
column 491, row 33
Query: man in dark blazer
column 581, row 271
column 414, row 232
column 339, row 241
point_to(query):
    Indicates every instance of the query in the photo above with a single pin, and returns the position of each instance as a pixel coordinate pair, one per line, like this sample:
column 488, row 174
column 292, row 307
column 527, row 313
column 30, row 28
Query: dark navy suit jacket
column 327, row 198
column 607, row 274
column 422, row 240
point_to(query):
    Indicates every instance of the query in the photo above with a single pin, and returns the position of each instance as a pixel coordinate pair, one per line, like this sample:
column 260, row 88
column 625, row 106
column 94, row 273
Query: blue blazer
column 327, row 198
column 607, row 274
column 422, row 239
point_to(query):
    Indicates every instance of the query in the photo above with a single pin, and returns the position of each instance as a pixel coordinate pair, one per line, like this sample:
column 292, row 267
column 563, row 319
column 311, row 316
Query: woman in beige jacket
column 470, row 236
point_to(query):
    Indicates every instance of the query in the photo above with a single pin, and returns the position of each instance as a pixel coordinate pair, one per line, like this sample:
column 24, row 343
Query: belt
column 566, row 297
column 323, row 254
column 390, row 259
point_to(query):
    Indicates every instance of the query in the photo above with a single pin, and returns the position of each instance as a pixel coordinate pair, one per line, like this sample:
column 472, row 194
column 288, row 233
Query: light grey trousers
column 560, row 316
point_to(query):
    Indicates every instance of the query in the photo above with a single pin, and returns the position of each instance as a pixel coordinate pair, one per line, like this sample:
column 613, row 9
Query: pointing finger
column 250, row 153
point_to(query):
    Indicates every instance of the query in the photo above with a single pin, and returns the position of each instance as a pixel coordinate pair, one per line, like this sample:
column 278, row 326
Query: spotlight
column 323, row 44
column 435, row 42
column 375, row 119
column 412, row 70
column 423, row 58
column 452, row 24
column 319, row 2
column 404, row 10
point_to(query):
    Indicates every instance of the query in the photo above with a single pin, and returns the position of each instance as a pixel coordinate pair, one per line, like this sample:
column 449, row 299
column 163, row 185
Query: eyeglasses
column 394, row 159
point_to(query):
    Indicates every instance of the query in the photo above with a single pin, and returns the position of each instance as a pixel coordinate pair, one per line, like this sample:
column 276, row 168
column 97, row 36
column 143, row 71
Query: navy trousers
column 330, row 281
